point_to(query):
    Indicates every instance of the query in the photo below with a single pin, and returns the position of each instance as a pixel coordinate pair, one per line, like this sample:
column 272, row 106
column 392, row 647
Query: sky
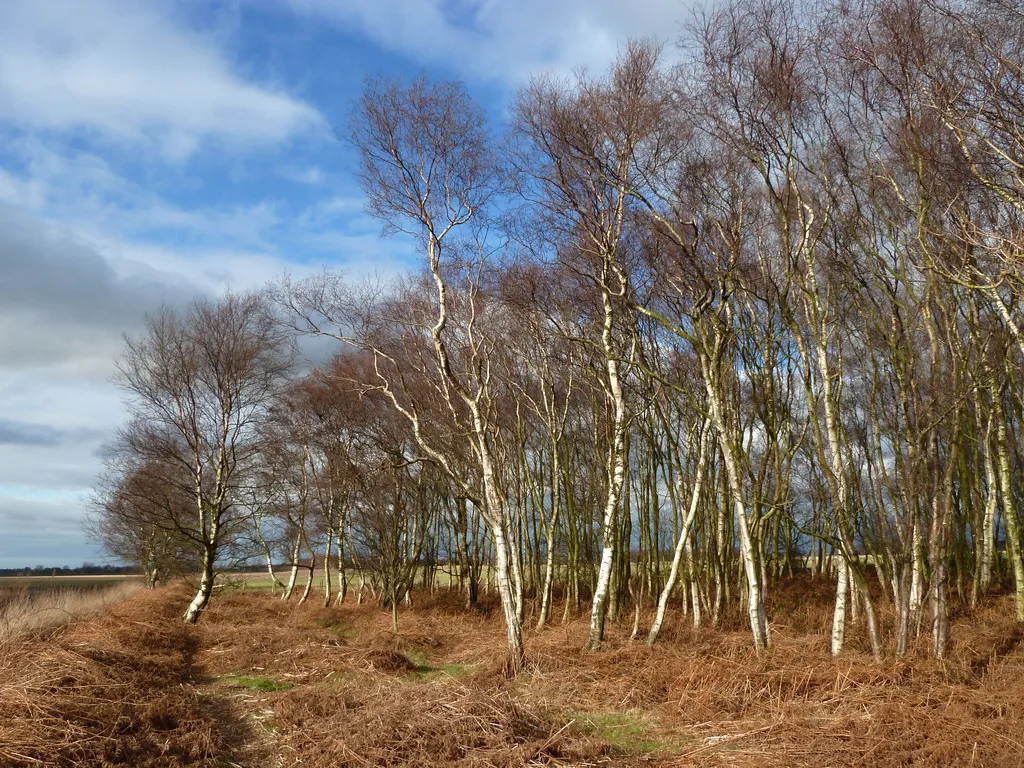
column 152, row 151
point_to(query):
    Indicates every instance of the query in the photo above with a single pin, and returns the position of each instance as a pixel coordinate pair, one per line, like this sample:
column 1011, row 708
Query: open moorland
column 10, row 585
column 261, row 682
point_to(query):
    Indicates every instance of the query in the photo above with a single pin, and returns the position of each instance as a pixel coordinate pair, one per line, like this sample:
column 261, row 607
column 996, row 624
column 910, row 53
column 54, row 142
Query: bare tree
column 200, row 381
column 429, row 172
column 585, row 147
column 137, row 508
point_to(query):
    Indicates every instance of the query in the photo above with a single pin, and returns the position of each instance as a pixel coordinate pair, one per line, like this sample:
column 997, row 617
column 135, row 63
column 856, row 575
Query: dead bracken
column 261, row 682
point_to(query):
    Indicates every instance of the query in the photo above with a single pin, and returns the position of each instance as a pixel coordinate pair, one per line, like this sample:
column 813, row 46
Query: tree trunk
column 549, row 563
column 839, row 614
column 616, row 477
column 294, row 574
column 755, row 598
column 1013, row 540
column 327, row 567
column 513, row 627
column 684, row 537
column 202, row 598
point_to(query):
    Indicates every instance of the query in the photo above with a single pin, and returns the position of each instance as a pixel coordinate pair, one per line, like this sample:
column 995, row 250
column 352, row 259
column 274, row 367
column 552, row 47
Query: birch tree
column 429, row 172
column 584, row 147
column 200, row 381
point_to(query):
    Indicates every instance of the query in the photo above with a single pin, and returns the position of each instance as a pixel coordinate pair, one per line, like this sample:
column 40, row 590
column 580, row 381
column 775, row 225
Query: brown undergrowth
column 265, row 683
column 26, row 612
column 110, row 689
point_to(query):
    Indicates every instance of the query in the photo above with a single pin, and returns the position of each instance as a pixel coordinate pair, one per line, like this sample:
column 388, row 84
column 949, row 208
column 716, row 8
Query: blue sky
column 153, row 150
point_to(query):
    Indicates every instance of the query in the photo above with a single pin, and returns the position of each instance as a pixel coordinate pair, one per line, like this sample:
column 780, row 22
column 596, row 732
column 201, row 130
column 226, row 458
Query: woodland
column 741, row 312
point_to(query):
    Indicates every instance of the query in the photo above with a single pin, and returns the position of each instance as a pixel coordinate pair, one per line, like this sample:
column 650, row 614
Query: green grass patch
column 632, row 732
column 418, row 659
column 425, row 670
column 265, row 684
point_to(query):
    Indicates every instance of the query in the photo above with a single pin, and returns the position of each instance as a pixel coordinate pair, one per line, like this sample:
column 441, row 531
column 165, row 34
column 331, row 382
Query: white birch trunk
column 294, row 573
column 552, row 528
column 328, row 586
column 839, row 614
column 1013, row 540
column 755, row 599
column 684, row 539
column 917, row 578
column 616, row 476
column 202, row 598
column 989, row 521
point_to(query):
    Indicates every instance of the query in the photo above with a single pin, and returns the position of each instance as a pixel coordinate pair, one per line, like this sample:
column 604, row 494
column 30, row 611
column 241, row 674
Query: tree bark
column 684, row 537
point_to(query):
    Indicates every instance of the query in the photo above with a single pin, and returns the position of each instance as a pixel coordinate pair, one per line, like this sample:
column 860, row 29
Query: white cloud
column 502, row 40
column 212, row 270
column 126, row 70
column 43, row 531
column 312, row 175
column 79, row 416
column 63, row 305
column 95, row 229
column 15, row 190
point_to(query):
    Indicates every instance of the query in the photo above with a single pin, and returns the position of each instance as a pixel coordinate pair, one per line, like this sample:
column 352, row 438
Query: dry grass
column 433, row 693
column 27, row 612
column 110, row 689
column 264, row 683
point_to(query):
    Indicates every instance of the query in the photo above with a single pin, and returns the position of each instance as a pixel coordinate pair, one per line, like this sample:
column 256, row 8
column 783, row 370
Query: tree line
column 85, row 569
column 734, row 309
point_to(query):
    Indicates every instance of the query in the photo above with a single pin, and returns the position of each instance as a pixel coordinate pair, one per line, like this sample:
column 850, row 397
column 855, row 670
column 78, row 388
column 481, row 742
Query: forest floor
column 264, row 683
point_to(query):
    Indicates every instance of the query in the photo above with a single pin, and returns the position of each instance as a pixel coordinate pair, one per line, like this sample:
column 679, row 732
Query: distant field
column 59, row 582
column 255, row 580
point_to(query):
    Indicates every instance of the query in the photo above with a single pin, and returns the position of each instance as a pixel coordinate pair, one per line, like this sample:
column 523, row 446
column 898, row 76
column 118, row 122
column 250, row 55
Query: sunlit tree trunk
column 684, row 539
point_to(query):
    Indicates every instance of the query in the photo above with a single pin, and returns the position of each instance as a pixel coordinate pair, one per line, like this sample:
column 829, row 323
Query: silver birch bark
column 551, row 531
column 1013, row 540
column 293, row 574
column 756, row 612
column 987, row 544
column 684, row 539
column 202, row 598
column 839, row 614
column 616, row 473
